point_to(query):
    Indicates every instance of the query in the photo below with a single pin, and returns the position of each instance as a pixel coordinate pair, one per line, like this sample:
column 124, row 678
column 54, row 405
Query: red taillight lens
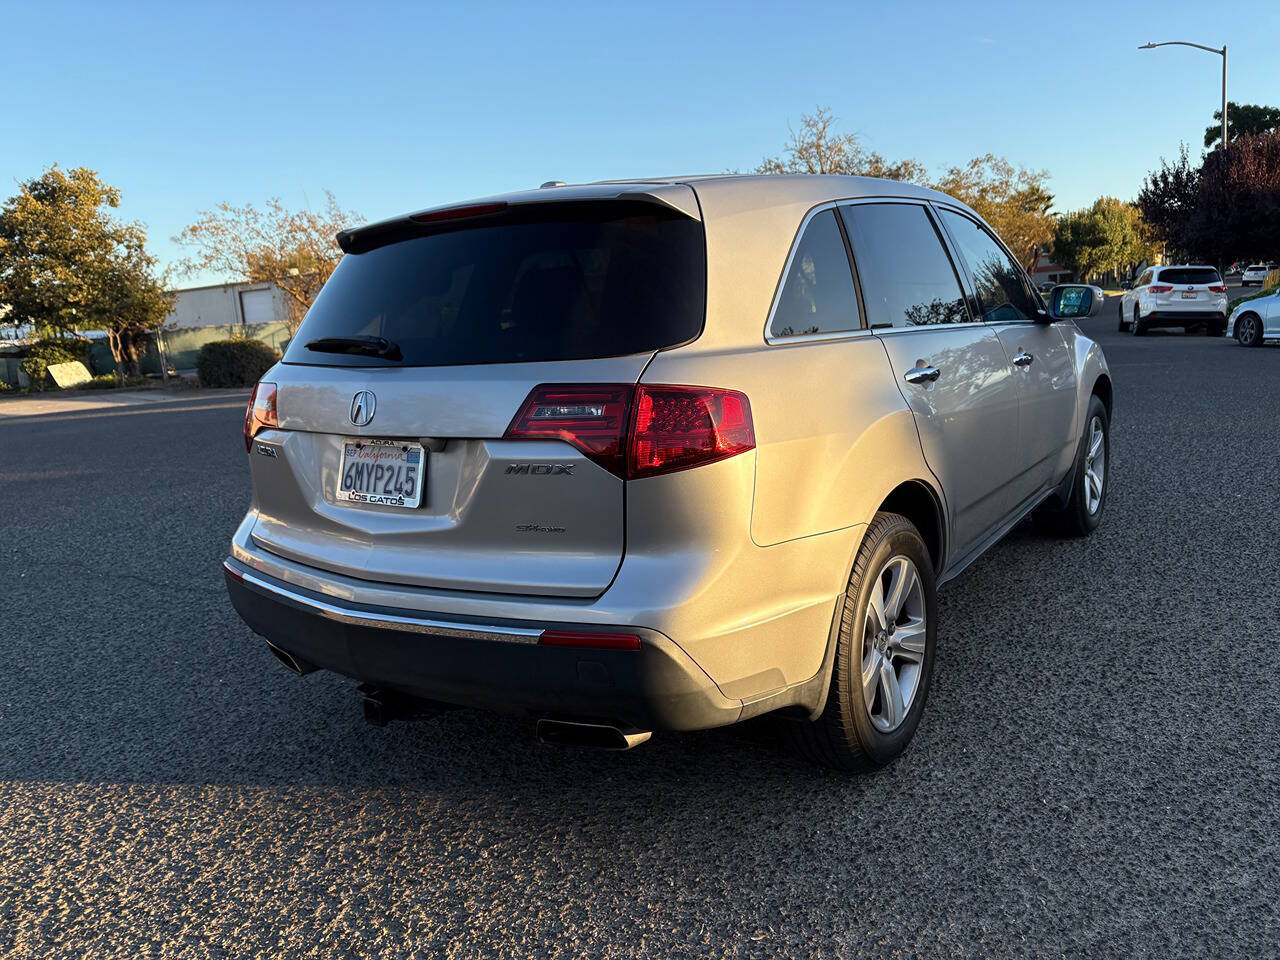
column 1217, row 288
column 674, row 428
column 592, row 417
column 593, row 641
column 1159, row 288
column 639, row 431
column 260, row 413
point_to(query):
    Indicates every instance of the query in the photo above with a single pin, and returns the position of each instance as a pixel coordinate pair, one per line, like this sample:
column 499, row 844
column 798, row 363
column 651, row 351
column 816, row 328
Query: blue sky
column 399, row 106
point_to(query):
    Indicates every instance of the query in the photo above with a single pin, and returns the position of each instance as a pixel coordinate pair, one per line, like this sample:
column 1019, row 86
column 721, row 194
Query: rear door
column 952, row 370
column 1038, row 355
column 460, row 322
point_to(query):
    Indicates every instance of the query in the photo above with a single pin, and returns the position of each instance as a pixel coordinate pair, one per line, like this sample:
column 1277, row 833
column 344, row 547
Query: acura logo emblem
column 362, row 406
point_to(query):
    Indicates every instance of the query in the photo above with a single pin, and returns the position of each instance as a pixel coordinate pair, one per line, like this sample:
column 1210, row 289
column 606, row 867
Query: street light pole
column 1200, row 46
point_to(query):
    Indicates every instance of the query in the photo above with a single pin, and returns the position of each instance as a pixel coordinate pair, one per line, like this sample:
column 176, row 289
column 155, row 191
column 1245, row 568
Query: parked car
column 1182, row 295
column 663, row 454
column 1254, row 275
column 1256, row 320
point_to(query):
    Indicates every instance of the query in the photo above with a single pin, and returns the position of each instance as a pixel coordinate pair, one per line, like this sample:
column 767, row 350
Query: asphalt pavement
column 1096, row 775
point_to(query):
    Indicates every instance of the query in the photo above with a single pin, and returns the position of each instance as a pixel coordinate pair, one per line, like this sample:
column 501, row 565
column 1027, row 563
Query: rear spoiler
column 677, row 197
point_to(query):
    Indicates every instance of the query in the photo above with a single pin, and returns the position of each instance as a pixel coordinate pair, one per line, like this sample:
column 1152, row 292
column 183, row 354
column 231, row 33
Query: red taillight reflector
column 639, row 431
column 592, row 417
column 260, row 413
column 595, row 641
column 674, row 428
column 1217, row 288
column 458, row 213
column 1159, row 288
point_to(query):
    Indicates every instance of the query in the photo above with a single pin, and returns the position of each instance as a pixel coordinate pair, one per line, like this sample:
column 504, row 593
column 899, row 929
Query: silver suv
column 662, row 454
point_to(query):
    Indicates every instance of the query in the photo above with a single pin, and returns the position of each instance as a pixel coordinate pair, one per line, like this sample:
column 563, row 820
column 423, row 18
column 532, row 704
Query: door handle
column 1023, row 359
column 922, row 374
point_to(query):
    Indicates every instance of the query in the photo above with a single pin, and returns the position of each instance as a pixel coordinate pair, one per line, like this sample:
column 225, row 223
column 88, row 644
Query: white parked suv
column 1175, row 296
column 1254, row 273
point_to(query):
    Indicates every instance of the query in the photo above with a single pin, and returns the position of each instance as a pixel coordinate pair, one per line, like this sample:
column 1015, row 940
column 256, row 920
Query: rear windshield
column 1181, row 275
column 542, row 282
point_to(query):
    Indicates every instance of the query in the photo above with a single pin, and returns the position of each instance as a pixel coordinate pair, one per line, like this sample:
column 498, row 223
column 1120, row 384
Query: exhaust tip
column 599, row 736
column 298, row 666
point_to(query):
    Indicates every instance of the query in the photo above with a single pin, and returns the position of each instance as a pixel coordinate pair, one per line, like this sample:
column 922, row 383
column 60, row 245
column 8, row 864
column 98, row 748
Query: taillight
column 1159, row 288
column 674, row 428
column 591, row 641
column 639, row 431
column 260, row 413
column 1217, row 288
column 591, row 417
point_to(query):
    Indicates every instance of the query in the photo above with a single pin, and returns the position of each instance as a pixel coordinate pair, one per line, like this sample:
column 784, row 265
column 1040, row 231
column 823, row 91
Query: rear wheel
column 884, row 653
column 1249, row 330
column 1138, row 327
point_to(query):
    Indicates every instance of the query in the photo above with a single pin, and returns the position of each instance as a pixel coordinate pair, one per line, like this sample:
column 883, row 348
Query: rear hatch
column 1187, row 288
column 431, row 335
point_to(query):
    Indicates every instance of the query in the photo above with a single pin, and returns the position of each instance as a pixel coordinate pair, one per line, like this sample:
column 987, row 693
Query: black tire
column 1249, row 334
column 1120, row 311
column 1074, row 518
column 844, row 737
column 1139, row 327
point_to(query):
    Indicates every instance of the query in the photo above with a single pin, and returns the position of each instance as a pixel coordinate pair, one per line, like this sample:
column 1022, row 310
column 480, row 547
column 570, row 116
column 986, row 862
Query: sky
column 395, row 107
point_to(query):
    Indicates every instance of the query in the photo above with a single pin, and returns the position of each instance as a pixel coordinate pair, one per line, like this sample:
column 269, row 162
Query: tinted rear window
column 1184, row 275
column 543, row 282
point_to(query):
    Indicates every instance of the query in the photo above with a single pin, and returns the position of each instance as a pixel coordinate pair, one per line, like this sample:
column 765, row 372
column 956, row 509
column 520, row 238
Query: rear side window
column 1003, row 297
column 542, row 282
column 817, row 294
column 906, row 276
column 1185, row 275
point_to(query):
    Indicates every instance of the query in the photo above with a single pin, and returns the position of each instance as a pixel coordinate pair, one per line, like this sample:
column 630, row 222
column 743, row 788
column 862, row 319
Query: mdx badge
column 541, row 469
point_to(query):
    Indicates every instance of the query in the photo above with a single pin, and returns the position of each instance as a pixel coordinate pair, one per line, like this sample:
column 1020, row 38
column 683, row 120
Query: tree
column 817, row 148
column 1237, row 210
column 1012, row 199
column 1109, row 235
column 67, row 265
column 1226, row 208
column 296, row 250
column 1167, row 201
column 1243, row 119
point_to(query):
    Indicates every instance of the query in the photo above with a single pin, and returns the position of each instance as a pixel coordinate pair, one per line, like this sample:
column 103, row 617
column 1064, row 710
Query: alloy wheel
column 893, row 644
column 1244, row 331
column 1095, row 466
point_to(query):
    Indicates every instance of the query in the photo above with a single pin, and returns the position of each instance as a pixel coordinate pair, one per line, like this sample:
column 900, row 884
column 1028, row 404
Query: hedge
column 234, row 363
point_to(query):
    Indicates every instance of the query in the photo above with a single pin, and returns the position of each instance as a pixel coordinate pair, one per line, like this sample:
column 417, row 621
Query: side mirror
column 1074, row 301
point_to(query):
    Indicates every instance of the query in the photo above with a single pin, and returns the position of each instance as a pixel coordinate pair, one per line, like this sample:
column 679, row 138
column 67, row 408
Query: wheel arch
column 1103, row 391
column 917, row 501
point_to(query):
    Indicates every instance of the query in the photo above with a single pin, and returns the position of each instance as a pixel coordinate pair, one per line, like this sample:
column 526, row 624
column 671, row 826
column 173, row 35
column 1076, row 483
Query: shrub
column 42, row 353
column 234, row 363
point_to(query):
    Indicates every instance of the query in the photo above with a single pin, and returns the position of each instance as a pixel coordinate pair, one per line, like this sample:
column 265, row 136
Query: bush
column 42, row 353
column 109, row 381
column 234, row 363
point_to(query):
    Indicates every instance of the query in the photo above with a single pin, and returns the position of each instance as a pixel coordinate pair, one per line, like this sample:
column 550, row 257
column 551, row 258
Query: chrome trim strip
column 389, row 621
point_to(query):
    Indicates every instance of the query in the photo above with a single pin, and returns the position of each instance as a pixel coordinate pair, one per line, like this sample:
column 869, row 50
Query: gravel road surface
column 1097, row 773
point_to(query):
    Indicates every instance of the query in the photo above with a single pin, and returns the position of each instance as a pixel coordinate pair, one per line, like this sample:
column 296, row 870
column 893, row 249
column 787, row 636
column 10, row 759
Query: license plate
column 386, row 472
column 1188, row 294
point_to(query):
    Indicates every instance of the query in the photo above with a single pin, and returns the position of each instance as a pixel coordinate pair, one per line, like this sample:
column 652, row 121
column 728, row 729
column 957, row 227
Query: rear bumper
column 496, row 665
column 1183, row 318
